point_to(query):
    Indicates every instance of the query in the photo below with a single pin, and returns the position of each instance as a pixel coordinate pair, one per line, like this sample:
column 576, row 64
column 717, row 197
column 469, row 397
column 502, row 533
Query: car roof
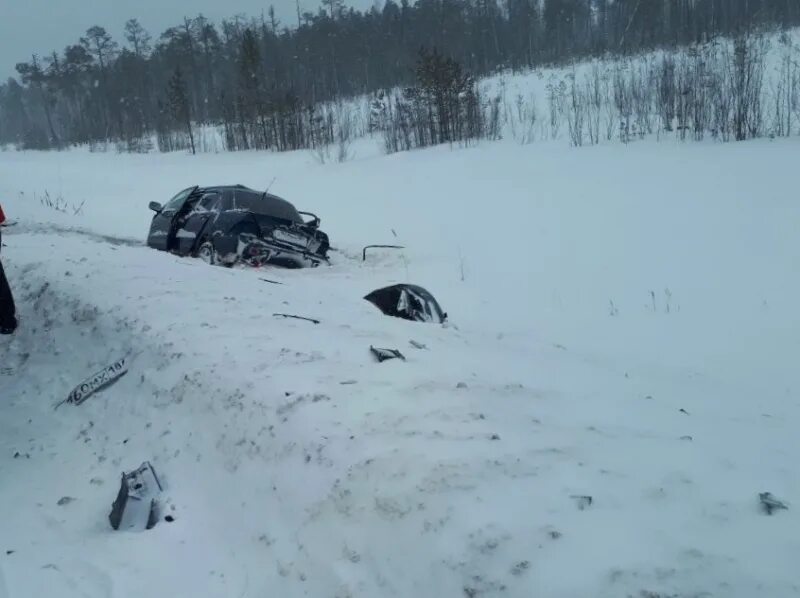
column 240, row 188
column 226, row 188
column 279, row 207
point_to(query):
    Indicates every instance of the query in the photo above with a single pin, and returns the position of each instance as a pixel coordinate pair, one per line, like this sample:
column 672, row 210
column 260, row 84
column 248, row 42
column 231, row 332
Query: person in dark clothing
column 8, row 311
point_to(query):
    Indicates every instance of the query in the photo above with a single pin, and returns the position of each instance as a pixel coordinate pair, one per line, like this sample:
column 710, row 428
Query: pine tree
column 138, row 38
column 32, row 74
column 178, row 102
column 95, row 92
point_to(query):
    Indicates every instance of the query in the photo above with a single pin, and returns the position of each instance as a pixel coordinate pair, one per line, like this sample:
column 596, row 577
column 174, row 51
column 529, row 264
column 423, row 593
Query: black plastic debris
column 408, row 301
column 293, row 317
column 384, row 354
column 583, row 502
column 770, row 504
column 136, row 507
column 520, row 568
column 97, row 382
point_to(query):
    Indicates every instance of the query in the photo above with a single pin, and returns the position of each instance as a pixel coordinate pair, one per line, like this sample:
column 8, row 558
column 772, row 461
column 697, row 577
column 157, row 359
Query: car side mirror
column 155, row 206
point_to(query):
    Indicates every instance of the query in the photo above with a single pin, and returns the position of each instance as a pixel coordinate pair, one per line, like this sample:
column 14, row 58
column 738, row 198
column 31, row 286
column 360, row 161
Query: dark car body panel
column 408, row 301
column 232, row 216
column 162, row 230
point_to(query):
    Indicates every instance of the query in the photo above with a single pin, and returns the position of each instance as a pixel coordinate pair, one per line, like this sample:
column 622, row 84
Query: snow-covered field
column 624, row 326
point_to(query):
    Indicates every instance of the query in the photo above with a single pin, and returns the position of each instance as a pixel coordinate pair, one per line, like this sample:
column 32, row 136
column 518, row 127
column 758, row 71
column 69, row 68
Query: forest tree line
column 269, row 84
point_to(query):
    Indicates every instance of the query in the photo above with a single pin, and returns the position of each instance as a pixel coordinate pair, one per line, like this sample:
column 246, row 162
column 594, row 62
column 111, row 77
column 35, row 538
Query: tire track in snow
column 38, row 228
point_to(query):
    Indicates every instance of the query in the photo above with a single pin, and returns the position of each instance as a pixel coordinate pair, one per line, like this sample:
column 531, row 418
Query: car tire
column 207, row 253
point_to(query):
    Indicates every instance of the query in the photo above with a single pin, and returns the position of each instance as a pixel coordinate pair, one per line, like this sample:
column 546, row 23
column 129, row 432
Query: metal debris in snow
column 408, row 301
column 136, row 506
column 770, row 504
column 364, row 253
column 384, row 354
column 296, row 317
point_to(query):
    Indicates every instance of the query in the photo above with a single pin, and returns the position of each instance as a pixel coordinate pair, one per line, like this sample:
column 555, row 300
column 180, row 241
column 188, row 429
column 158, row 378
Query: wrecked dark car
column 234, row 224
column 408, row 301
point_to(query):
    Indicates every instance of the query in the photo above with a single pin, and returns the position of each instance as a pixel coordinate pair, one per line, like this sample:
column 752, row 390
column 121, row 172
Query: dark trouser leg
column 7, row 308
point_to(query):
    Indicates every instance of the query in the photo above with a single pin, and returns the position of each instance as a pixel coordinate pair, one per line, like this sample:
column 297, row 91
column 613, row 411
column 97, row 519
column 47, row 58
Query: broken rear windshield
column 265, row 205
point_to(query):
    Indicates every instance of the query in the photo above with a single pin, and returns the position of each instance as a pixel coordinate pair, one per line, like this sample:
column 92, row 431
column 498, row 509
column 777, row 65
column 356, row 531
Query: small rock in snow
column 65, row 500
column 462, row 385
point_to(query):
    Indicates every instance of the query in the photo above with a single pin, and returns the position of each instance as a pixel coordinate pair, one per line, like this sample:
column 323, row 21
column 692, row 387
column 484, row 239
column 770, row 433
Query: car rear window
column 265, row 205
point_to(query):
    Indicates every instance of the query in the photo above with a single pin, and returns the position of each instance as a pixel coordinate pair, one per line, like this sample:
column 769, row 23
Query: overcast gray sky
column 41, row 26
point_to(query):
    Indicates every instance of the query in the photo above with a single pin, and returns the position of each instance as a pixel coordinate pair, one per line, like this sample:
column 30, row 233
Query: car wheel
column 206, row 253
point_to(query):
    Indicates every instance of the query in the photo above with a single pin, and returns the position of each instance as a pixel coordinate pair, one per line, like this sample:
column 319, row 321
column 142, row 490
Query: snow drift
column 623, row 328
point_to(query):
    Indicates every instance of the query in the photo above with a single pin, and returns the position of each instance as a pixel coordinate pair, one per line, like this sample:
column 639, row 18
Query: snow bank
column 297, row 466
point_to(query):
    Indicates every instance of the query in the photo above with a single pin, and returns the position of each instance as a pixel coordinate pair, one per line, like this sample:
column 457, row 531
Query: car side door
column 191, row 231
column 162, row 225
